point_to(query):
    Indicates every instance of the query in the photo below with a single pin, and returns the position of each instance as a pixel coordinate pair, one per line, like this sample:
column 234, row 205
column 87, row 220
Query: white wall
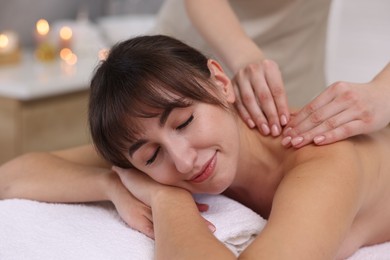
column 358, row 39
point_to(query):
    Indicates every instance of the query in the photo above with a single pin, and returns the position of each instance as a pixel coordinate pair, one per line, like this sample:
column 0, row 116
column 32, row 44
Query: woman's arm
column 261, row 99
column 180, row 230
column 71, row 176
column 314, row 206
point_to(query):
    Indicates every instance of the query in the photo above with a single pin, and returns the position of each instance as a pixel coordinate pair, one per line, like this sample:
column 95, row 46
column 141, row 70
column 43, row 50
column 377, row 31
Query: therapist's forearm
column 180, row 231
column 217, row 23
column 46, row 177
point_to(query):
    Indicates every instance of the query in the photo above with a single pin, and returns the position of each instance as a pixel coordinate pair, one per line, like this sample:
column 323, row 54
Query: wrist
column 249, row 53
column 170, row 194
column 112, row 186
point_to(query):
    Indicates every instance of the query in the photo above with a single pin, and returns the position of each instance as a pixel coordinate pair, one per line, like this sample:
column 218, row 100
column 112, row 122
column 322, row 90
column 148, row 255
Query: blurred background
column 43, row 96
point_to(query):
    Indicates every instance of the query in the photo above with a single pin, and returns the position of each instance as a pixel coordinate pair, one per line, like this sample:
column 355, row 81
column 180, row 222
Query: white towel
column 236, row 224
column 36, row 230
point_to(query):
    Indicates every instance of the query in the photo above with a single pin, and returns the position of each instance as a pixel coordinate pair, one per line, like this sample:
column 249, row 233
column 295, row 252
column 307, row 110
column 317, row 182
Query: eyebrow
column 139, row 143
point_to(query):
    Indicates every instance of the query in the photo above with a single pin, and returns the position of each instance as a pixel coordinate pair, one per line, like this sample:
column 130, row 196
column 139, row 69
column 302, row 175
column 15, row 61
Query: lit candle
column 65, row 37
column 45, row 50
column 9, row 47
column 68, row 56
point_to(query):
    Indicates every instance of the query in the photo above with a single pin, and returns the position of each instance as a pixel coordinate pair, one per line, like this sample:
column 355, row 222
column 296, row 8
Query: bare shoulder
column 335, row 157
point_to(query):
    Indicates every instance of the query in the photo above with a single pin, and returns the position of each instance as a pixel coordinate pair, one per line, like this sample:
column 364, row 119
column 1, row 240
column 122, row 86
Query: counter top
column 31, row 79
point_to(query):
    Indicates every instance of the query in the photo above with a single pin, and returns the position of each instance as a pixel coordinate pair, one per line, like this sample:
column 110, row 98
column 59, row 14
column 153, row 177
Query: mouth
column 207, row 170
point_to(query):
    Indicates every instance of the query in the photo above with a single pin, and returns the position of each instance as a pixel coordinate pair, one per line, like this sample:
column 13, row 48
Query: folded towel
column 236, row 224
column 36, row 230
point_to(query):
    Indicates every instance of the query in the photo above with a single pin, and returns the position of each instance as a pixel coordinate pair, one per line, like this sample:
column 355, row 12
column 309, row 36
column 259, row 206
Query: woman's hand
column 342, row 110
column 144, row 188
column 134, row 212
column 261, row 98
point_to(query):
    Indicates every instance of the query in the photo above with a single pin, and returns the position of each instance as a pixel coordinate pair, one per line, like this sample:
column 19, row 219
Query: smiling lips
column 207, row 170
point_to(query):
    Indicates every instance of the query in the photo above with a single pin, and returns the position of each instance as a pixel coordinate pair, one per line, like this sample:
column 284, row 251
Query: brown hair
column 141, row 77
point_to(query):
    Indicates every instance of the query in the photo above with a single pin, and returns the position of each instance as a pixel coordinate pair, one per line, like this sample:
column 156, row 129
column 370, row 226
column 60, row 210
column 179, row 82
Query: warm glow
column 66, row 33
column 3, row 40
column 66, row 54
column 43, row 27
column 72, row 59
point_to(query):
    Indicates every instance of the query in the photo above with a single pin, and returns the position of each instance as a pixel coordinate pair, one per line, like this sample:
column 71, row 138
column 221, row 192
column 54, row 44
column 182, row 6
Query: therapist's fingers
column 338, row 123
column 275, row 83
column 247, row 104
column 266, row 102
column 310, row 111
column 342, row 132
column 322, row 119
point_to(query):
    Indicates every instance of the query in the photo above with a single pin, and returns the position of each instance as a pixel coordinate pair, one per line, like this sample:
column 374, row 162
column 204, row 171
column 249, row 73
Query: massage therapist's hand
column 134, row 212
column 144, row 188
column 260, row 97
column 342, row 110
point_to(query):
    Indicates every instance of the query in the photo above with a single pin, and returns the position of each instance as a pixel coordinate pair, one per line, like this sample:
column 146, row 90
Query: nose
column 182, row 155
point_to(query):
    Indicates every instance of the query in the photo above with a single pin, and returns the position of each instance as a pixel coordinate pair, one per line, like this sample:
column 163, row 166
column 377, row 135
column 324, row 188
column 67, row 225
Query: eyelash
column 186, row 123
column 180, row 127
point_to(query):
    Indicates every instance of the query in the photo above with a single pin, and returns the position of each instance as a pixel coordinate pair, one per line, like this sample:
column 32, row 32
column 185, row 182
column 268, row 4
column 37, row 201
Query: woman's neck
column 260, row 168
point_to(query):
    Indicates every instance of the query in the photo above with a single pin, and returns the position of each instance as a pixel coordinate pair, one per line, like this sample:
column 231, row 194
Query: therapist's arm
column 344, row 109
column 261, row 98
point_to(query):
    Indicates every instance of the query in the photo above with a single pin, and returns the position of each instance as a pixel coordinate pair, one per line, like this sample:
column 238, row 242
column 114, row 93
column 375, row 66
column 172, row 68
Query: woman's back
column 372, row 222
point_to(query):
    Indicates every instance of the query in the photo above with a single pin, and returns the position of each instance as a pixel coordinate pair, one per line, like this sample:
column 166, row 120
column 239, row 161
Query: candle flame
column 3, row 40
column 66, row 33
column 42, row 27
column 68, row 56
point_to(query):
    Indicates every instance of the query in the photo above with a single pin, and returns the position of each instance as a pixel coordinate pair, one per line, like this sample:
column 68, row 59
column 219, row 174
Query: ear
column 221, row 80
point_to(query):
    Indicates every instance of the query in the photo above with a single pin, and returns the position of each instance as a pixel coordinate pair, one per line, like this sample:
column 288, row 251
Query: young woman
column 163, row 112
column 161, row 107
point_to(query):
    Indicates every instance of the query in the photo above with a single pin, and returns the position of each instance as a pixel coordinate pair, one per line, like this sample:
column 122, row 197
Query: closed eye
column 154, row 156
column 186, row 123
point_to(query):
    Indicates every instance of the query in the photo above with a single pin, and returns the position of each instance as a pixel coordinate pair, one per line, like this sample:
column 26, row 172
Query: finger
column 210, row 225
column 324, row 98
column 266, row 102
column 275, row 82
column 242, row 110
column 146, row 227
column 248, row 100
column 349, row 129
column 338, row 121
column 328, row 113
column 140, row 219
column 202, row 207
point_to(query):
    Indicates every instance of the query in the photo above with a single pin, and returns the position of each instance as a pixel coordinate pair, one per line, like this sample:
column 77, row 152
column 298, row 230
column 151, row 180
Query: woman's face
column 195, row 148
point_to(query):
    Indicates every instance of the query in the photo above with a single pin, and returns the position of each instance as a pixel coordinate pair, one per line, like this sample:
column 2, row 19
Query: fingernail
column 288, row 129
column 265, row 129
column 297, row 140
column 251, row 123
column 286, row 140
column 275, row 130
column 283, row 120
column 319, row 139
column 212, row 228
